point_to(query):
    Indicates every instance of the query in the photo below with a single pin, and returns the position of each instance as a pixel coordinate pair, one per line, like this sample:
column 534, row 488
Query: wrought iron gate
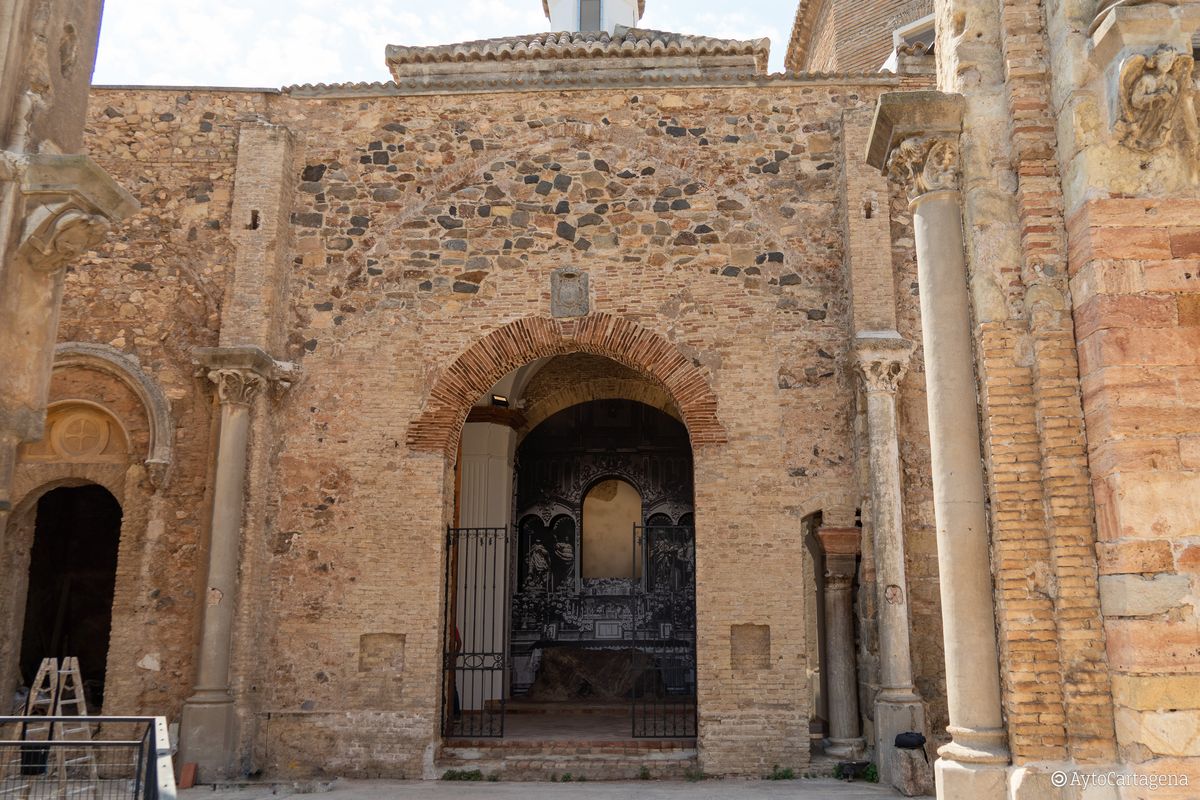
column 475, row 665
column 664, row 631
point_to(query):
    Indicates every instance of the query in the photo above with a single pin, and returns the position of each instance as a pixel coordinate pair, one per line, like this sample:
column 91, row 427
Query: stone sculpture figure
column 1152, row 90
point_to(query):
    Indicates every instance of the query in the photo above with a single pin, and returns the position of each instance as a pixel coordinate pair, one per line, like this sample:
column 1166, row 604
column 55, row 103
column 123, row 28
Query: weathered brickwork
column 422, row 232
column 848, row 35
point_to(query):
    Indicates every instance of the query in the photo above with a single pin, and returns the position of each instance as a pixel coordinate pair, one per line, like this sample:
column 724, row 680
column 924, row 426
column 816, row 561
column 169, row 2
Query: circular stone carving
column 80, row 434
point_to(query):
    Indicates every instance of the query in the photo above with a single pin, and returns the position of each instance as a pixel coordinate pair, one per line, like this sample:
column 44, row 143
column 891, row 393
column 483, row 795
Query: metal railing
column 88, row 758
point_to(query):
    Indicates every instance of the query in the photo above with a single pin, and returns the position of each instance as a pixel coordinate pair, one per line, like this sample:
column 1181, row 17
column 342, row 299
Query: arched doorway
column 599, row 634
column 71, row 583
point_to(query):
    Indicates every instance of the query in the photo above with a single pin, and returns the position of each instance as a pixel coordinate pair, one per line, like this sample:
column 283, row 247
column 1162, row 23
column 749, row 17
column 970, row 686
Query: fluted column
column 207, row 732
column 916, row 142
column 840, row 546
column 882, row 360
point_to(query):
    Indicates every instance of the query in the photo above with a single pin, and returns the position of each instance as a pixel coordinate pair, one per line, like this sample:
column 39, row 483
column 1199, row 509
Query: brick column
column 916, row 142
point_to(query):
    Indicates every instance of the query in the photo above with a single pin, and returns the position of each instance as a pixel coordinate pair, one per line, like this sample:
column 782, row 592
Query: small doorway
column 72, row 579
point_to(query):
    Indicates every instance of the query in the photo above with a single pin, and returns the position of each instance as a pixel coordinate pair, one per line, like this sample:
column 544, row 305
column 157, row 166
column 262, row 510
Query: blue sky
column 270, row 43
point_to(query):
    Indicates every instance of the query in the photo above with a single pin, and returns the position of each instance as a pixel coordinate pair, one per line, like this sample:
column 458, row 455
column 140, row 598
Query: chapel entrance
column 72, row 578
column 578, row 621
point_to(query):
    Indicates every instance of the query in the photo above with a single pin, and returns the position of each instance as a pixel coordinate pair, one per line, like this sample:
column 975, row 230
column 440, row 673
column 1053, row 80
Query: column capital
column 69, row 205
column 841, row 547
column 914, row 140
column 882, row 360
column 241, row 373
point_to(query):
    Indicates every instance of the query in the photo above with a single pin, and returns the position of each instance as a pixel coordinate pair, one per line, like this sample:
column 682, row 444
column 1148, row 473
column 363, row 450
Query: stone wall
column 708, row 217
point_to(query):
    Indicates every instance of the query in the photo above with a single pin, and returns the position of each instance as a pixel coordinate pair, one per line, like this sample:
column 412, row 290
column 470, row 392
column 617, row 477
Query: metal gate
column 664, row 631
column 475, row 664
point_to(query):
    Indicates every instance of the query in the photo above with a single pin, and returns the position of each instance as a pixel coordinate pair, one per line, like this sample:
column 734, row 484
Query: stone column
column 207, row 732
column 840, row 546
column 915, row 141
column 882, row 358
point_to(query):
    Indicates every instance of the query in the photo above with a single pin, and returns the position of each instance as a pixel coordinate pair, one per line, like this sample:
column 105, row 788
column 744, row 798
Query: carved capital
column 241, row 372
column 927, row 163
column 237, row 386
column 882, row 361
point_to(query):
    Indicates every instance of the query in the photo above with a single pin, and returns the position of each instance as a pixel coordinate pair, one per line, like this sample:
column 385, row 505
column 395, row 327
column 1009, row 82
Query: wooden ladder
column 18, row 775
column 74, row 763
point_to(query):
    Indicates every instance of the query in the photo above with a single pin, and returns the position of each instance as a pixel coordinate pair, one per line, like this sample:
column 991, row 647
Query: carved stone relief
column 78, row 432
column 1155, row 90
column 569, row 293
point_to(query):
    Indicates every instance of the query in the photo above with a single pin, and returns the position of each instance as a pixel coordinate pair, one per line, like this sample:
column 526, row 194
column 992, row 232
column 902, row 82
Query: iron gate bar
column 664, row 697
column 43, row 763
column 474, row 672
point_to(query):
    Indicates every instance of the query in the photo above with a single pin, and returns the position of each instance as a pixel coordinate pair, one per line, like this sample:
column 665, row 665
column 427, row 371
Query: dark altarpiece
column 556, row 611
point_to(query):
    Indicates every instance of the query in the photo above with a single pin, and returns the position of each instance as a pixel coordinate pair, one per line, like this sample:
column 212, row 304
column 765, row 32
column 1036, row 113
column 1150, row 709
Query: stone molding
column 882, row 360
column 242, row 373
column 69, row 205
column 459, row 83
column 914, row 140
column 125, row 368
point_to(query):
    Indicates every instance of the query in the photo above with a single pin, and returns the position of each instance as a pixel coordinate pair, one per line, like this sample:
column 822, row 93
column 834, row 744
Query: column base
column 846, row 749
column 976, row 746
column 206, row 736
column 895, row 714
column 957, row 781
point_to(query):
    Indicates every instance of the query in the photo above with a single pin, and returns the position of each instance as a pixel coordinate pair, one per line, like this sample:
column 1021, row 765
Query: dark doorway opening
column 603, row 608
column 72, row 578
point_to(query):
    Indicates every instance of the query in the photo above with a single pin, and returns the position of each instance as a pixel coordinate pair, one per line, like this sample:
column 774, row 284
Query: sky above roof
column 272, row 43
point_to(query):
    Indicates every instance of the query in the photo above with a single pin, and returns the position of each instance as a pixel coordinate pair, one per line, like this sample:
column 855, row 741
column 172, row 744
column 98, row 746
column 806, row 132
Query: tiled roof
column 626, row 42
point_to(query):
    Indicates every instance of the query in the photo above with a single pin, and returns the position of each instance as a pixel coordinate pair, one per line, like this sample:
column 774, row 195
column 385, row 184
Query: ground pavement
column 819, row 789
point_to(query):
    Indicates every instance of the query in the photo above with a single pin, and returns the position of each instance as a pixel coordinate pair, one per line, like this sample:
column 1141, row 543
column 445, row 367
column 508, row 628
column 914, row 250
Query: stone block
column 1157, row 692
column 956, row 780
column 1154, row 505
column 1164, row 733
column 1138, row 645
column 1135, row 596
column 913, row 774
column 1134, row 556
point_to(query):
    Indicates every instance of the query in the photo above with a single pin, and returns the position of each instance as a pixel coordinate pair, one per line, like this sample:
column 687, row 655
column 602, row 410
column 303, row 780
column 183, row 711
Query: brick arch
column 438, row 427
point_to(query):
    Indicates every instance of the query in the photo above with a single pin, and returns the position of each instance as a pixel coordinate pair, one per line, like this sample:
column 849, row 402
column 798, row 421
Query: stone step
column 531, row 760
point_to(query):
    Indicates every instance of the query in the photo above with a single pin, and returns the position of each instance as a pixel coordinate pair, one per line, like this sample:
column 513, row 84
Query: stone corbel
column 882, row 360
column 69, row 205
column 241, row 373
column 1143, row 52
